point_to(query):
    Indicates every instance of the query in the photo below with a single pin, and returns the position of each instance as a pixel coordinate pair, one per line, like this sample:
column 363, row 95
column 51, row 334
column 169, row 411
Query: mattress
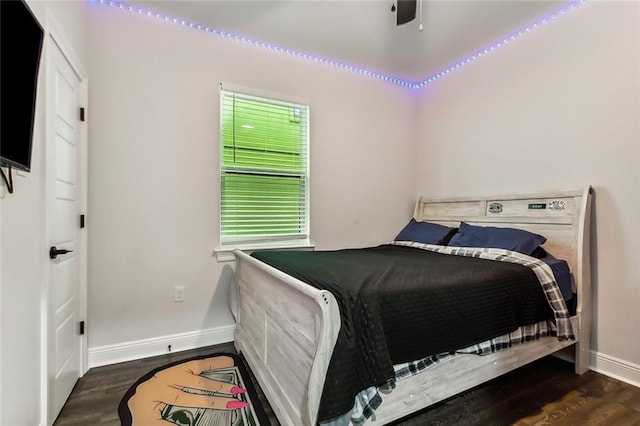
column 389, row 294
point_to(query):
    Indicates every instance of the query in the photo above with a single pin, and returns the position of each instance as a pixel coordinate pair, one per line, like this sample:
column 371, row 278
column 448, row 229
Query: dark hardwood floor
column 546, row 392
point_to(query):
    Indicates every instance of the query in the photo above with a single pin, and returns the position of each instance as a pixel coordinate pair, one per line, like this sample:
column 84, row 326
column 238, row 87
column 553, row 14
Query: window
column 264, row 167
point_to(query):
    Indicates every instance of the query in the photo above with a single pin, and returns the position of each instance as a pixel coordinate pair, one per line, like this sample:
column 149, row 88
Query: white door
column 65, row 248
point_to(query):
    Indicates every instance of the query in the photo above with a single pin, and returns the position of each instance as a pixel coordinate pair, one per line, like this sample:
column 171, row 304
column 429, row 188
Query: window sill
column 225, row 254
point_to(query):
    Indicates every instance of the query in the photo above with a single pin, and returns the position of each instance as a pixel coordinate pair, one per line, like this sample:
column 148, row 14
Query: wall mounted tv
column 21, row 38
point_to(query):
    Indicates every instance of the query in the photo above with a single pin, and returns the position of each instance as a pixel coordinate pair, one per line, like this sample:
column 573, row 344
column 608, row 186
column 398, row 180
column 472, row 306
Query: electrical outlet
column 178, row 293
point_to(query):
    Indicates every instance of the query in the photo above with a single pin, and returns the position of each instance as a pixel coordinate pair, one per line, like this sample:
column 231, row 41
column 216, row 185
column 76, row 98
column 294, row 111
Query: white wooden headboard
column 562, row 217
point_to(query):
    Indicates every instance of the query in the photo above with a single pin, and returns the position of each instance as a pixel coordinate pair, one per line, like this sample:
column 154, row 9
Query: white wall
column 20, row 267
column 557, row 109
column 153, row 172
column 23, row 249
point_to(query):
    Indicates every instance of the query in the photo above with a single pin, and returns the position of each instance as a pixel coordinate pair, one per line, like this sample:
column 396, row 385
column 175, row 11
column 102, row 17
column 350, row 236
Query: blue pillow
column 513, row 239
column 423, row 232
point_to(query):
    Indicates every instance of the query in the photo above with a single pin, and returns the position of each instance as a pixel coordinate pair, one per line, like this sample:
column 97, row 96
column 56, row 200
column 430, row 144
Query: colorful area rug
column 211, row 390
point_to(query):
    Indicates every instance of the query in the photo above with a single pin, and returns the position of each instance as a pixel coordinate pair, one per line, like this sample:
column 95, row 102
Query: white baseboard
column 110, row 354
column 613, row 367
column 128, row 351
column 616, row 368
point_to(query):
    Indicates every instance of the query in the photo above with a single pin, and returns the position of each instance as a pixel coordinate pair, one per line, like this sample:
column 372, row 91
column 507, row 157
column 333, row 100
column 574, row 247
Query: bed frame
column 287, row 329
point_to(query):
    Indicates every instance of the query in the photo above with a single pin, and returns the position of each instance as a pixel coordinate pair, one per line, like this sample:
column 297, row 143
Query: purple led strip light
column 514, row 36
column 340, row 65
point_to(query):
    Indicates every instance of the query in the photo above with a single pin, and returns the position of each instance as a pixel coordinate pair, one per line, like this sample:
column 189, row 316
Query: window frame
column 299, row 240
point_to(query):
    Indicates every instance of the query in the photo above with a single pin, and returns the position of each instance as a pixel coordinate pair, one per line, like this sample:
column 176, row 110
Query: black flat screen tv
column 21, row 38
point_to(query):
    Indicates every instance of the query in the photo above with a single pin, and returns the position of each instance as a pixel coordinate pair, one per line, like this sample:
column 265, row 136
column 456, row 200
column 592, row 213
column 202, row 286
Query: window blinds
column 264, row 163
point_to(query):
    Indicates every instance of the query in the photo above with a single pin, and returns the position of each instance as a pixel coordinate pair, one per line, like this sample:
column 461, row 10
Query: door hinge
column 81, row 328
column 81, row 114
column 81, row 221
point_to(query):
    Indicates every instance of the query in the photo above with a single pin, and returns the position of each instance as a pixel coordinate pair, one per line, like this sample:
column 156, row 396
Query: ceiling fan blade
column 406, row 11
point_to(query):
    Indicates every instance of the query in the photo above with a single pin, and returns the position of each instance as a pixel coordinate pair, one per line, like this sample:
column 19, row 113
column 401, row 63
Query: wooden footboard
column 286, row 330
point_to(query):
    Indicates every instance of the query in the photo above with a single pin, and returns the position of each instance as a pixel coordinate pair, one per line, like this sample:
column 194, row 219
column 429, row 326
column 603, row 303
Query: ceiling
column 363, row 33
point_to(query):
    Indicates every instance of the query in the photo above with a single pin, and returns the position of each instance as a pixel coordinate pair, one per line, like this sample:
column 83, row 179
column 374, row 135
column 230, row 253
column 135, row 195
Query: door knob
column 54, row 252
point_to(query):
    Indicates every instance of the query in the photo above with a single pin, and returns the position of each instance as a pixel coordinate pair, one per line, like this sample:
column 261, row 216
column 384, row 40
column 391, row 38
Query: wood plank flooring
column 546, row 392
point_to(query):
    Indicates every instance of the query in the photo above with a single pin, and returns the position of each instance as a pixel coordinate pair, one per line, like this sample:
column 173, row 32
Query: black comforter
column 400, row 303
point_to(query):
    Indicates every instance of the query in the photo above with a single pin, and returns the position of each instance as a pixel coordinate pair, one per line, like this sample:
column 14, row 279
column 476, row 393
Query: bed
column 287, row 329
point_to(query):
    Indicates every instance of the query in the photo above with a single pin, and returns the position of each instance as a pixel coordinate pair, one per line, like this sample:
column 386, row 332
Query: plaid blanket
column 367, row 401
column 370, row 399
